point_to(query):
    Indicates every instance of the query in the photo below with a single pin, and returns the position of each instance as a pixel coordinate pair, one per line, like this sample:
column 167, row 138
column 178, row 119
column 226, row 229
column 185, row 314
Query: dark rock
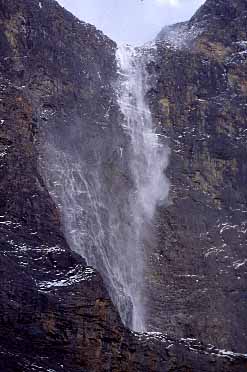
column 55, row 313
column 198, row 274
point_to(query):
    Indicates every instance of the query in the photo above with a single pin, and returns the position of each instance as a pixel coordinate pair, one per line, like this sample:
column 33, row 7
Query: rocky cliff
column 199, row 102
column 56, row 314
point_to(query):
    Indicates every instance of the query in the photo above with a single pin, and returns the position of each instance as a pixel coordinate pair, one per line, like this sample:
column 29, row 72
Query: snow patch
column 242, row 43
column 239, row 264
column 230, row 354
column 213, row 251
column 73, row 276
column 179, row 36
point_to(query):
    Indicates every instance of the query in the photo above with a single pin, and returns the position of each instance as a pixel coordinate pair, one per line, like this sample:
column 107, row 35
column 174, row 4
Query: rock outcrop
column 198, row 275
column 56, row 314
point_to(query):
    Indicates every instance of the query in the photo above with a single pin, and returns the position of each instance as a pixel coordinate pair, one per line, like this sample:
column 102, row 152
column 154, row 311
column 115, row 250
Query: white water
column 107, row 221
column 150, row 156
column 148, row 163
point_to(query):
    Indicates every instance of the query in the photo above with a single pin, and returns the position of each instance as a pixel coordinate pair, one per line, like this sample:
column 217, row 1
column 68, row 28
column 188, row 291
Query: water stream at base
column 105, row 220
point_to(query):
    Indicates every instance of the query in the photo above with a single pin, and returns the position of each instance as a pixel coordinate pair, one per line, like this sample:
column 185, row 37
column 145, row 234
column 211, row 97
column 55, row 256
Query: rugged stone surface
column 198, row 275
column 55, row 312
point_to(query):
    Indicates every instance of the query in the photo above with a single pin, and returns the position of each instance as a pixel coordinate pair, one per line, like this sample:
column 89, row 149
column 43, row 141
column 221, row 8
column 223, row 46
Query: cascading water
column 148, row 162
column 107, row 181
column 150, row 157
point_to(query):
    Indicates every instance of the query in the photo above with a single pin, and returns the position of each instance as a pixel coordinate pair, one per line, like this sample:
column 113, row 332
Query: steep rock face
column 198, row 275
column 55, row 312
column 46, row 290
column 213, row 29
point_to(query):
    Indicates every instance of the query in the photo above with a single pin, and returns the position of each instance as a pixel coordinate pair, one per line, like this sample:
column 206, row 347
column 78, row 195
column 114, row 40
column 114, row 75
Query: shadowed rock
column 198, row 275
column 55, row 313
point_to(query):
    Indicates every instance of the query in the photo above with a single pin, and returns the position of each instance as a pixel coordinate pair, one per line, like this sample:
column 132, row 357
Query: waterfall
column 107, row 181
column 148, row 162
column 150, row 157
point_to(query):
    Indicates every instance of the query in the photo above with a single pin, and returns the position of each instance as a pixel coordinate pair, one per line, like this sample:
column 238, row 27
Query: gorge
column 86, row 132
